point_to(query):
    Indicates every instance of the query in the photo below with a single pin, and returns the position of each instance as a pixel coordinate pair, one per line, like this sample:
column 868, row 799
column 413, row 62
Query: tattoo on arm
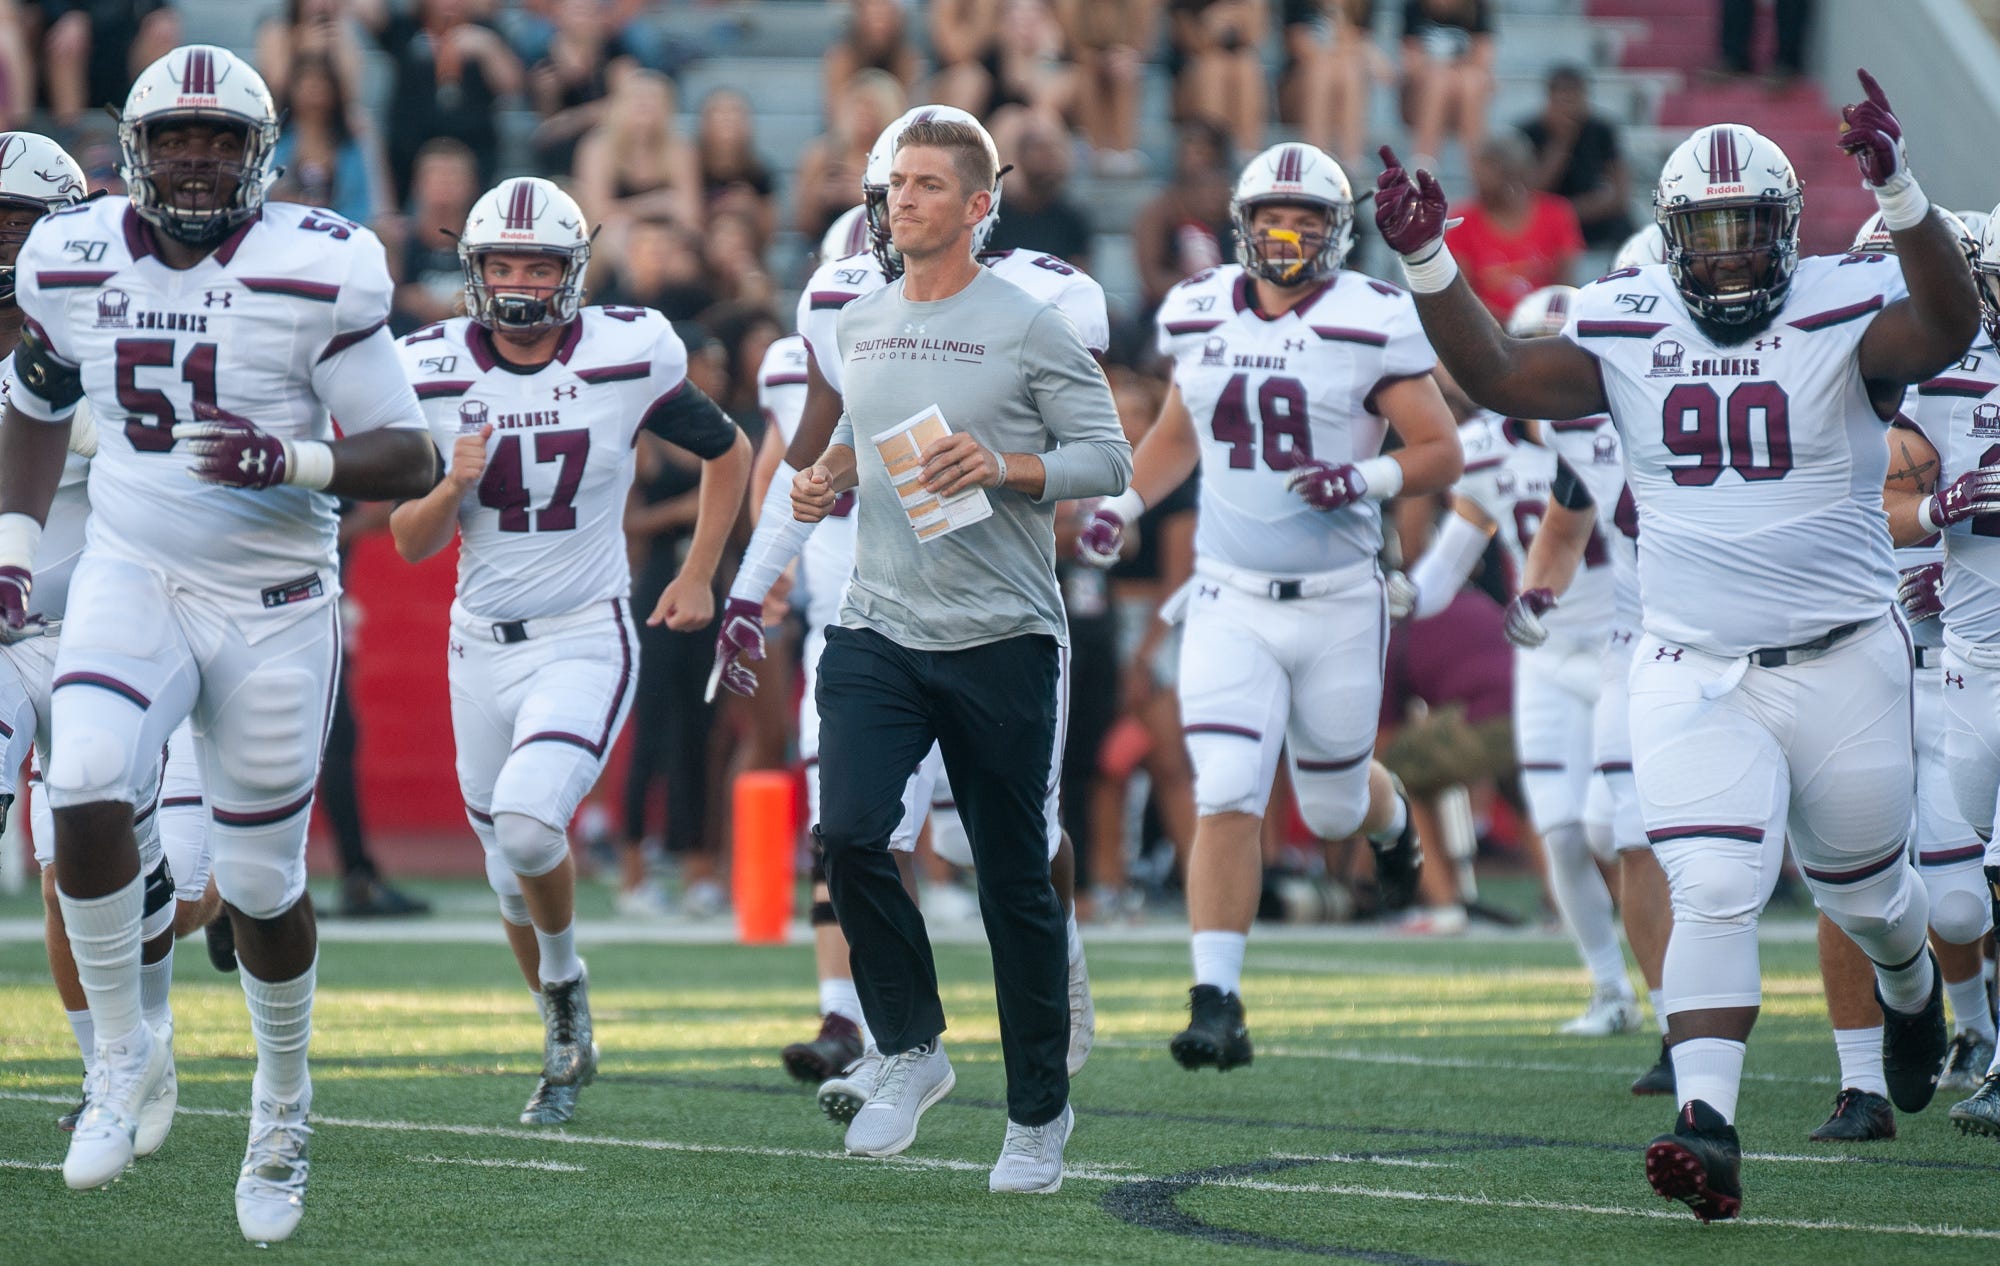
column 1912, row 471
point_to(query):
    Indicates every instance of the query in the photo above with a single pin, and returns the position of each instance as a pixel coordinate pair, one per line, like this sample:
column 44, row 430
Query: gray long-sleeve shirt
column 1010, row 370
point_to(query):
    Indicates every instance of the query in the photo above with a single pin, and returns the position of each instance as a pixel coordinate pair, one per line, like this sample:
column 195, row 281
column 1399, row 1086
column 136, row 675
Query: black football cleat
column 1215, row 1035
column 1399, row 861
column 1700, row 1164
column 221, row 937
column 1659, row 1079
column 1859, row 1116
column 837, row 1046
column 1981, row 1113
column 1914, row 1047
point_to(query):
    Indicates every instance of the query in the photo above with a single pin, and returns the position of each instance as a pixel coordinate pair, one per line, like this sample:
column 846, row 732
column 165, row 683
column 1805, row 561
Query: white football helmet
column 1874, row 237
column 875, row 184
column 1975, row 224
column 846, row 236
column 198, row 83
column 1299, row 175
column 1728, row 205
column 1543, row 313
column 1986, row 275
column 37, row 175
column 530, row 215
column 1647, row 246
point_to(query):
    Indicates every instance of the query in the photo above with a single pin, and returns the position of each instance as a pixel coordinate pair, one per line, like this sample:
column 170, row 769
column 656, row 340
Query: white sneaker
column 1082, row 1013
column 127, row 1074
column 906, row 1086
column 1609, row 1012
column 704, row 899
column 841, row 1097
column 1032, row 1157
column 948, row 903
column 646, row 901
column 156, row 1114
column 271, row 1188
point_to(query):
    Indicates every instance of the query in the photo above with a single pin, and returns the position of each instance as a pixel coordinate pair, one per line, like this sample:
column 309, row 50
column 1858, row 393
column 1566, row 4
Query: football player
column 1771, row 691
column 540, row 400
column 226, row 332
column 1288, row 370
column 779, row 538
column 1510, row 483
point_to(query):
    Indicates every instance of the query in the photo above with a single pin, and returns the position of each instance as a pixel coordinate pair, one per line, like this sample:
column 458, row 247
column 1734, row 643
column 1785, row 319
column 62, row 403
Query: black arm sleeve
column 1568, row 491
column 693, row 421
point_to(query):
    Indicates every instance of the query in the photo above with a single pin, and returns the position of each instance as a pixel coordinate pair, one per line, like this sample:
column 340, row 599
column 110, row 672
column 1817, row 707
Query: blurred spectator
column 745, row 331
column 735, row 264
column 1331, row 63
column 964, row 37
column 1111, row 41
column 571, row 80
column 324, row 164
column 1792, row 17
column 1577, row 157
column 93, row 49
column 831, row 166
column 17, row 68
column 733, row 176
column 1447, row 73
column 534, row 27
column 317, row 28
column 635, row 164
column 659, row 266
column 1026, row 65
column 1036, row 213
column 428, row 275
column 1218, row 70
column 1184, row 228
column 450, row 73
column 877, row 38
column 1515, row 239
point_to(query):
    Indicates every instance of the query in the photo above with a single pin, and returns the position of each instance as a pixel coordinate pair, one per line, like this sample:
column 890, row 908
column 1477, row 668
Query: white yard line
column 52, row 1166
column 556, row 1167
column 1084, row 1173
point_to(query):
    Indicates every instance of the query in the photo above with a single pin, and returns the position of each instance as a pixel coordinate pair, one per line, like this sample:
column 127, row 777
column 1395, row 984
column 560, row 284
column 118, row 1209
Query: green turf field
column 1407, row 1105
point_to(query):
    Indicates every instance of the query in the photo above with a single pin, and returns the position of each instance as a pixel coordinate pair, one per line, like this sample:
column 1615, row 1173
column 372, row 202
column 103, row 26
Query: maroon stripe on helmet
column 1288, row 166
column 519, row 216
column 317, row 291
column 1837, row 316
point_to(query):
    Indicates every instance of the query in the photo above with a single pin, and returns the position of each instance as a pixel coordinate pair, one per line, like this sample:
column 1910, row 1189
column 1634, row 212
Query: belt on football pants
column 1930, row 656
column 1779, row 656
column 508, row 632
column 1287, row 589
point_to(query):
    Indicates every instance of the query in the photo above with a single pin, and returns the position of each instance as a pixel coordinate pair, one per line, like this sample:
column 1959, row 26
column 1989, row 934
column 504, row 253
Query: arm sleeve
column 1441, row 572
column 359, row 375
column 1567, row 490
column 776, row 542
column 687, row 417
column 1091, row 457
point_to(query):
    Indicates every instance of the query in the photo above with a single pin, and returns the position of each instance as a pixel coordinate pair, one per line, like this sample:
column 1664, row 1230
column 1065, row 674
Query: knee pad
column 1225, row 774
column 506, row 886
column 529, row 847
column 1332, row 804
column 1713, row 880
column 1960, row 913
column 262, row 870
column 514, row 909
column 90, row 764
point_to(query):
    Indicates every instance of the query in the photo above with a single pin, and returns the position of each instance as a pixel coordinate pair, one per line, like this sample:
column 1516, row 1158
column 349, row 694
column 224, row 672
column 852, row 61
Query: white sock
column 1586, row 906
column 559, row 960
column 1709, row 1069
column 1860, row 1053
column 104, row 940
column 1908, row 989
column 1657, row 999
column 1968, row 1006
column 281, row 1022
column 837, row 997
column 86, row 1036
column 1218, row 959
column 1398, row 819
column 1075, row 936
column 155, row 979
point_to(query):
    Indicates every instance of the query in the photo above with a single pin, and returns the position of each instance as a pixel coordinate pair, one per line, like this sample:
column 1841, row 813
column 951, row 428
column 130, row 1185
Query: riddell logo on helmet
column 1715, row 189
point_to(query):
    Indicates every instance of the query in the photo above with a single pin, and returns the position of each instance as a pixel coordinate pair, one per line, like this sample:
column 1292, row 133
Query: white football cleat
column 156, row 1114
column 1031, row 1159
column 127, row 1074
column 271, row 1188
column 1082, row 1013
column 1609, row 1013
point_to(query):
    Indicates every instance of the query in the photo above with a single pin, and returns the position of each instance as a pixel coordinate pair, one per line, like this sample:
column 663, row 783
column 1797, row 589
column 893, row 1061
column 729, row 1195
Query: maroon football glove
column 1869, row 131
column 1408, row 213
column 1918, row 593
column 232, row 451
column 740, row 637
column 1523, row 626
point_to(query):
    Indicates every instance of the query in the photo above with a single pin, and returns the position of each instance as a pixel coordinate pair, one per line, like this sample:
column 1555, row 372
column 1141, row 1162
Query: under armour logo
column 566, row 391
column 1774, row 341
column 458, row 648
column 209, row 298
column 1955, row 679
column 1295, row 345
column 1209, row 591
column 1668, row 652
column 1621, row 637
column 252, row 462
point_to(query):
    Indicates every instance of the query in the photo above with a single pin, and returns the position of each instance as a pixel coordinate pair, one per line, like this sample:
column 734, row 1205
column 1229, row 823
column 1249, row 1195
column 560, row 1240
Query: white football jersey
column 1959, row 413
column 62, row 536
column 1757, row 466
column 837, row 283
column 543, row 531
column 1510, row 479
column 828, row 558
column 1269, row 395
column 261, row 328
column 1590, row 446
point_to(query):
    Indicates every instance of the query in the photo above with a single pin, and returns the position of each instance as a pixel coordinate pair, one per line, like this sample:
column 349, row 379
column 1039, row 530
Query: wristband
column 1902, row 200
column 20, row 537
column 309, row 464
column 1930, row 525
column 1382, row 477
column 1127, row 505
column 1433, row 273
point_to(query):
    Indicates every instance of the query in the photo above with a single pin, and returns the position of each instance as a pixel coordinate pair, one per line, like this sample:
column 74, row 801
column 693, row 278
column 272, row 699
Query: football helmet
column 846, row 236
column 1294, row 174
column 1647, row 246
column 1874, row 238
column 531, row 215
column 875, row 184
column 1543, row 313
column 1975, row 223
column 1728, row 205
column 35, row 174
column 1986, row 275
column 198, row 83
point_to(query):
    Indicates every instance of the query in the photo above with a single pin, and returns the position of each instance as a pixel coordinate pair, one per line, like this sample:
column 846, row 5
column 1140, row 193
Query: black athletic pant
column 994, row 711
column 339, row 790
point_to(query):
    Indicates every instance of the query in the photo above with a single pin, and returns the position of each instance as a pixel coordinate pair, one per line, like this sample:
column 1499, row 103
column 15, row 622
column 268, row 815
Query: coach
column 959, row 639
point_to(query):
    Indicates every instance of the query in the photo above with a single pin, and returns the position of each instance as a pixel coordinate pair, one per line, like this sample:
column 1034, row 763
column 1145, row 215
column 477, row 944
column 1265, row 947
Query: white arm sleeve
column 776, row 542
column 1441, row 572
